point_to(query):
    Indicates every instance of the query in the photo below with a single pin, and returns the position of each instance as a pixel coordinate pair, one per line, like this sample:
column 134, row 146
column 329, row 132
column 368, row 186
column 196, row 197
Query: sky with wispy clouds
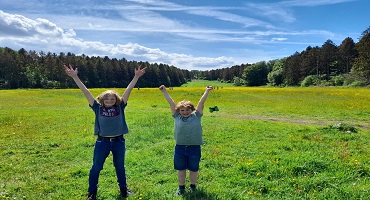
column 188, row 34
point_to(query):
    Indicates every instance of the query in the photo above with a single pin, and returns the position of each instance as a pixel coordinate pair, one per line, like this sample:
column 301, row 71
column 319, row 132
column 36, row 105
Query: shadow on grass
column 199, row 194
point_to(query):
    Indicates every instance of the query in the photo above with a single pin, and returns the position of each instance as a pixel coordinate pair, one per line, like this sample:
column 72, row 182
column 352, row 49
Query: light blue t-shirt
column 109, row 121
column 188, row 131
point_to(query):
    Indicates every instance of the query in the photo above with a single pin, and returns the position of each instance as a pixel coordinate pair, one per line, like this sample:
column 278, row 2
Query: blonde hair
column 107, row 94
column 185, row 104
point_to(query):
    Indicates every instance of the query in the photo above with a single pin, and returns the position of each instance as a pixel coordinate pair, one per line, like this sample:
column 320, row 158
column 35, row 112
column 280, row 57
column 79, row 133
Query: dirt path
column 306, row 121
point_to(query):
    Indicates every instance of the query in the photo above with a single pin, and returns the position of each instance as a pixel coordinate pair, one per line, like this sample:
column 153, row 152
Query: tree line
column 31, row 69
column 346, row 64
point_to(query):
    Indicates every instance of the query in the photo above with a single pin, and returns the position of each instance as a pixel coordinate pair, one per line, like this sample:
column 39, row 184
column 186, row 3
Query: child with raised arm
column 188, row 137
column 110, row 126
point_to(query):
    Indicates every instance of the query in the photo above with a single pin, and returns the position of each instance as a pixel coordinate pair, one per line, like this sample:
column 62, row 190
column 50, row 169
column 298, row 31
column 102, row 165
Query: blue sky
column 188, row 34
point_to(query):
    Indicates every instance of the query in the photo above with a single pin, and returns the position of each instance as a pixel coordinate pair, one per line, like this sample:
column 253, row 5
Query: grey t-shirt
column 188, row 131
column 109, row 121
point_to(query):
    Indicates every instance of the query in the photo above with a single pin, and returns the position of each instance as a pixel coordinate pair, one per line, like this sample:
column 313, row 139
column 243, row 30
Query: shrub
column 337, row 80
column 344, row 127
column 311, row 80
column 357, row 84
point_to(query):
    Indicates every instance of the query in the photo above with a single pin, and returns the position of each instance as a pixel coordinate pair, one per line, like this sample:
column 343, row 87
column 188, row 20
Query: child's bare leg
column 193, row 177
column 181, row 176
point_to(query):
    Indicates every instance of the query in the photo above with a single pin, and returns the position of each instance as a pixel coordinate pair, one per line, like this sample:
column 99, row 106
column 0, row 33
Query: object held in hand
column 211, row 109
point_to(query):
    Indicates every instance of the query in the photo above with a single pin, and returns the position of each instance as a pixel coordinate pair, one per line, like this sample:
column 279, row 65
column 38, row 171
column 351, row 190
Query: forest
column 329, row 65
column 22, row 69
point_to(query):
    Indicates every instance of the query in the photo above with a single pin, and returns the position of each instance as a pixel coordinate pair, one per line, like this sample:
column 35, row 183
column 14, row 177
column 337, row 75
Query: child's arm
column 168, row 98
column 73, row 74
column 200, row 105
column 138, row 73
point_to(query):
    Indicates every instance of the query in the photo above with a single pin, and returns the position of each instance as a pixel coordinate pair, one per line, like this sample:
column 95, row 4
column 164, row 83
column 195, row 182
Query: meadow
column 263, row 143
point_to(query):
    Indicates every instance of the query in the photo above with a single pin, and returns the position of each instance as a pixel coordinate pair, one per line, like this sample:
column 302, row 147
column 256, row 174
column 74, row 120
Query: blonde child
column 110, row 127
column 188, row 137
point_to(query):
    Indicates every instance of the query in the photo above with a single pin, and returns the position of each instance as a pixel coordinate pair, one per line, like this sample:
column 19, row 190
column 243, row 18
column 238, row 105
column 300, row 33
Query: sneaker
column 180, row 191
column 192, row 189
column 91, row 196
column 126, row 192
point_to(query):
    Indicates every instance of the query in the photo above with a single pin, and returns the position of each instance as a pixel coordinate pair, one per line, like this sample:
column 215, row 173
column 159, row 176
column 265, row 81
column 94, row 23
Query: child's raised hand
column 139, row 72
column 162, row 87
column 209, row 87
column 70, row 71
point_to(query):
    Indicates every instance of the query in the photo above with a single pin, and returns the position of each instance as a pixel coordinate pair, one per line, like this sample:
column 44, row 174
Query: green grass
column 264, row 143
column 203, row 83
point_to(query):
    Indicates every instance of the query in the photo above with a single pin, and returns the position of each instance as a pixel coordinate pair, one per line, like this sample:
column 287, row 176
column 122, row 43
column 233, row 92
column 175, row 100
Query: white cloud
column 312, row 2
column 18, row 25
column 279, row 39
column 48, row 35
column 272, row 11
column 247, row 22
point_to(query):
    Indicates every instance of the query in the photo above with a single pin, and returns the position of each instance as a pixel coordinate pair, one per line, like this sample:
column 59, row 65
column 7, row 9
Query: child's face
column 110, row 101
column 185, row 112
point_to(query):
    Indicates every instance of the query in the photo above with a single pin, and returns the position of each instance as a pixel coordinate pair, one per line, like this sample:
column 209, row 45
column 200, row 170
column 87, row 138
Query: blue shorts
column 187, row 157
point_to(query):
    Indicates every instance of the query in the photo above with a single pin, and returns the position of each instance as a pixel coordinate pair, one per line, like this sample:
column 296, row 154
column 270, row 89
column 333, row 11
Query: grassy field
column 264, row 143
